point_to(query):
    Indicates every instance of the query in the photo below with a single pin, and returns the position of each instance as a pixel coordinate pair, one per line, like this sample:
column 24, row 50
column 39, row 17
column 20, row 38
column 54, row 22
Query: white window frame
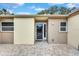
column 63, row 26
column 5, row 26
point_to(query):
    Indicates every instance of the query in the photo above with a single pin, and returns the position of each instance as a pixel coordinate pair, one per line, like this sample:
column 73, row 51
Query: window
column 63, row 27
column 7, row 26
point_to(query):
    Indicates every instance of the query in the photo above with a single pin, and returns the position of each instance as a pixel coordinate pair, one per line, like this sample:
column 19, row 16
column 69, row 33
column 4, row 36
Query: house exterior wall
column 73, row 31
column 6, row 37
column 54, row 36
column 23, row 30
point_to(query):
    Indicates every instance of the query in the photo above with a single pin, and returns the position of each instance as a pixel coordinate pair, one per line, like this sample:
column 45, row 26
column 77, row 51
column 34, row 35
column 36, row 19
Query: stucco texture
column 73, row 31
column 54, row 36
column 23, row 31
column 6, row 37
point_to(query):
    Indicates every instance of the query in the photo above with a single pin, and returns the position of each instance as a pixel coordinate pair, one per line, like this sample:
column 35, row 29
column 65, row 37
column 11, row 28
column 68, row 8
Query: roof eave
column 73, row 13
column 49, row 16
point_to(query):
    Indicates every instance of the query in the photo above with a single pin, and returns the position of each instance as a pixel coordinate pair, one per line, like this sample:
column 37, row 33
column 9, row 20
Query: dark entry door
column 39, row 31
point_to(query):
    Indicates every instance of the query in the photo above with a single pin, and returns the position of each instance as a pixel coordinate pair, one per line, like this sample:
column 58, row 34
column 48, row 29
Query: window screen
column 7, row 26
column 63, row 26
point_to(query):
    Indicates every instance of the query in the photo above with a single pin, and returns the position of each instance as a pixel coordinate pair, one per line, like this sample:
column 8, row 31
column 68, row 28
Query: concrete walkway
column 39, row 49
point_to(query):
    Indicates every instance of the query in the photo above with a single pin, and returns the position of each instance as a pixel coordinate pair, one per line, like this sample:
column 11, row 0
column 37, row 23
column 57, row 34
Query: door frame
column 44, row 38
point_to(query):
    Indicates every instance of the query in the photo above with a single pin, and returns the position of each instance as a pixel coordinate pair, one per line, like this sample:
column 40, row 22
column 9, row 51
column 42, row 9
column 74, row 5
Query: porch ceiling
column 41, row 18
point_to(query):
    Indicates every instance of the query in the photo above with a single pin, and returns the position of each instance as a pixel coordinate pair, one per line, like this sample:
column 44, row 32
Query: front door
column 40, row 31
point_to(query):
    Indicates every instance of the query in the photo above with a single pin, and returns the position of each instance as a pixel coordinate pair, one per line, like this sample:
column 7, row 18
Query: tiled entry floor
column 39, row 49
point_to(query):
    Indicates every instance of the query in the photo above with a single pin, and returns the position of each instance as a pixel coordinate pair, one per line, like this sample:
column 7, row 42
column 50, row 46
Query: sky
column 32, row 8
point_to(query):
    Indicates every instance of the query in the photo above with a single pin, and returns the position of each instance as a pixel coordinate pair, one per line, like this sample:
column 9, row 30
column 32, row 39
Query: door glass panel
column 39, row 31
column 44, row 30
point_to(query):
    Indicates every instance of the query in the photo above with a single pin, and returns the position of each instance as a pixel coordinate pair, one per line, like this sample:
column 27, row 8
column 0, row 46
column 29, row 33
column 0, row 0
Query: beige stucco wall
column 54, row 36
column 6, row 37
column 73, row 31
column 23, row 30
